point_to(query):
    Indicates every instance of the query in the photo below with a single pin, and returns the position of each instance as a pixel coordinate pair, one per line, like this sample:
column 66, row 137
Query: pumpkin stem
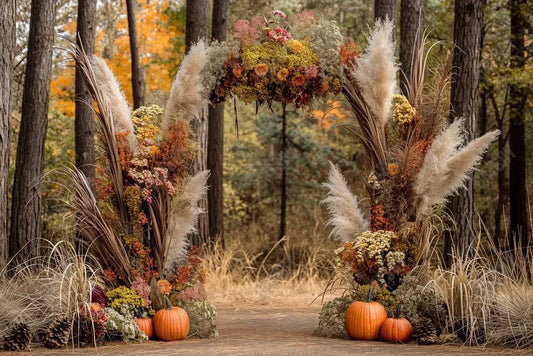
column 168, row 303
column 397, row 312
column 370, row 294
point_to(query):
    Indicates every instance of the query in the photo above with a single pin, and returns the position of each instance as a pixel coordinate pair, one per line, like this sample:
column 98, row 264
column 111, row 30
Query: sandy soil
column 248, row 328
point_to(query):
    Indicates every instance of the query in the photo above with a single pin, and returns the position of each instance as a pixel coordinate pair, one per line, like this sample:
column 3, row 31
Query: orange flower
column 261, row 69
column 349, row 53
column 393, row 169
column 324, row 87
column 164, row 286
column 282, row 75
column 237, row 70
column 298, row 80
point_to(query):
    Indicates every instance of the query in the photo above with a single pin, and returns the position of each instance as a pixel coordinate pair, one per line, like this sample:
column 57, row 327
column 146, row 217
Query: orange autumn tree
column 157, row 32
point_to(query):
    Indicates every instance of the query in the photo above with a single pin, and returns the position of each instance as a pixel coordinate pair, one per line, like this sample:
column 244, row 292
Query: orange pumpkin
column 364, row 319
column 396, row 329
column 171, row 323
column 146, row 325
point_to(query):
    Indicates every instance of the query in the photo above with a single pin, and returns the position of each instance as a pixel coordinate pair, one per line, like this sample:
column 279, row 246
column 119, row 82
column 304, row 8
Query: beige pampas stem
column 186, row 98
column 446, row 166
column 110, row 90
column 375, row 72
column 183, row 217
column 346, row 217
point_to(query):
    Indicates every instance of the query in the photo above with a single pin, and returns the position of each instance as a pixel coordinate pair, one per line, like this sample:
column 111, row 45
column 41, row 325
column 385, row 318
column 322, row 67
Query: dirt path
column 251, row 329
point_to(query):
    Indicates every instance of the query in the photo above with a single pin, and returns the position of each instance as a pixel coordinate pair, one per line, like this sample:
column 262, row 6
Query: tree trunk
column 519, row 235
column 386, row 9
column 7, row 58
column 84, row 122
column 464, row 96
column 283, row 211
column 215, row 142
column 501, row 171
column 26, row 206
column 411, row 31
column 137, row 73
column 196, row 28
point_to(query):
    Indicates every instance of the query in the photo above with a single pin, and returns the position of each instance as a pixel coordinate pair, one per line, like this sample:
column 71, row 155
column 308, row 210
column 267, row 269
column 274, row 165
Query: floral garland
column 274, row 59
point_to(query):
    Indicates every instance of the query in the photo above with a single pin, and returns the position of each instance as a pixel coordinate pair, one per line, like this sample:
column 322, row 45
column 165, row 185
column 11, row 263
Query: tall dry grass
column 488, row 294
column 47, row 288
column 293, row 269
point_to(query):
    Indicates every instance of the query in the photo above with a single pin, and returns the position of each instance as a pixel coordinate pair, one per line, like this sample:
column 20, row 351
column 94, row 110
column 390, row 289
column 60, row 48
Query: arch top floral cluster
column 273, row 58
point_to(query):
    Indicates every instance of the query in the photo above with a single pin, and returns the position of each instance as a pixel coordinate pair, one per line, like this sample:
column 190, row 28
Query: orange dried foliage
column 176, row 152
column 378, row 221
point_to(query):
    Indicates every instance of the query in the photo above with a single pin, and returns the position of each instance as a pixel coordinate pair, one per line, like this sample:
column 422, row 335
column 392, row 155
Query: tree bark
column 26, row 206
column 411, row 31
column 498, row 212
column 463, row 101
column 519, row 234
column 137, row 74
column 84, row 122
column 386, row 9
column 196, row 28
column 215, row 141
column 7, row 58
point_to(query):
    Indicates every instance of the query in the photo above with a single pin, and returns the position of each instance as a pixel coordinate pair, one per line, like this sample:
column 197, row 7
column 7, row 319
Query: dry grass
column 292, row 270
column 44, row 289
column 489, row 295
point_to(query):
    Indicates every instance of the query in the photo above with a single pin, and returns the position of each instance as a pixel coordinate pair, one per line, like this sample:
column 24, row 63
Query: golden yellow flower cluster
column 124, row 297
column 147, row 120
column 403, row 112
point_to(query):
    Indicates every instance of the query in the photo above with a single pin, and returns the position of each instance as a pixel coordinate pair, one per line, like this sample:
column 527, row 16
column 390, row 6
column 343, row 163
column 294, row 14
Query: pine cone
column 57, row 334
column 18, row 338
column 425, row 331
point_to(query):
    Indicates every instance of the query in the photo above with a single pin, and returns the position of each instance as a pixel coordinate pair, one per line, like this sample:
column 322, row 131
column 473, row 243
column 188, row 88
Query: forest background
column 252, row 164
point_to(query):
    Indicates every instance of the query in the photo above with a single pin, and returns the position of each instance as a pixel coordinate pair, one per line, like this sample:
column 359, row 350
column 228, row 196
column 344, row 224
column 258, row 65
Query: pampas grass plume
column 375, row 71
column 186, row 98
column 110, row 89
column 346, row 217
column 446, row 166
column 183, row 216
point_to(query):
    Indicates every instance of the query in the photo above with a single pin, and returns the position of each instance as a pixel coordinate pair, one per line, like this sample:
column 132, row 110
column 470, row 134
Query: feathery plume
column 110, row 90
column 446, row 167
column 186, row 97
column 183, row 217
column 375, row 71
column 346, row 217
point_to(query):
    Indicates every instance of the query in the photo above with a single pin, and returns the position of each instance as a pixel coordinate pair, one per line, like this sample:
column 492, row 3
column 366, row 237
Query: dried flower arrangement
column 145, row 205
column 277, row 59
column 416, row 161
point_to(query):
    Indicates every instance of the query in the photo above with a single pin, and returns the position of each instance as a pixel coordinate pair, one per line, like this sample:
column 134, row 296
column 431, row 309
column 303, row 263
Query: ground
column 268, row 328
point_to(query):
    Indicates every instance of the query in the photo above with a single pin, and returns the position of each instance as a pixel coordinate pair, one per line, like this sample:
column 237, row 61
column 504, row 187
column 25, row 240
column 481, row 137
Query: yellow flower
column 295, row 46
column 283, row 73
column 403, row 112
column 393, row 169
column 154, row 150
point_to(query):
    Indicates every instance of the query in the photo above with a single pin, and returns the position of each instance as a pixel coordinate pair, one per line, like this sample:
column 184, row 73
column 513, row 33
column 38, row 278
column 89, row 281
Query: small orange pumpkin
column 146, row 325
column 364, row 319
column 396, row 329
column 171, row 323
